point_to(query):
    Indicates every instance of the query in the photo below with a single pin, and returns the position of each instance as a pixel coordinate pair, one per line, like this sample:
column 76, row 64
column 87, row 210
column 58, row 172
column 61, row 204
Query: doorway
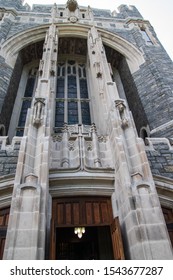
column 95, row 244
column 102, row 238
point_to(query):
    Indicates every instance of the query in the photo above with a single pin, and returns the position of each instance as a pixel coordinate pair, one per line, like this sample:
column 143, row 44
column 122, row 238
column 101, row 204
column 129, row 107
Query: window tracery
column 72, row 101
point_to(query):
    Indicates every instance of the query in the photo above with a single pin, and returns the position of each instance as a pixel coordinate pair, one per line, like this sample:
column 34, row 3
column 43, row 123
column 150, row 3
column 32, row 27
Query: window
column 145, row 36
column 72, row 101
column 26, row 101
column 61, row 14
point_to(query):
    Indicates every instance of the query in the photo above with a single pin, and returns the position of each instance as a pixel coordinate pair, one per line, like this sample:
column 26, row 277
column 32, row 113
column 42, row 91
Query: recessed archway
column 12, row 46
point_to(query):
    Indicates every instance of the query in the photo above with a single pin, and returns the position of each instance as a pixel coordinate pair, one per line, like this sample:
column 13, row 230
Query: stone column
column 103, row 89
column 28, row 215
column 139, row 211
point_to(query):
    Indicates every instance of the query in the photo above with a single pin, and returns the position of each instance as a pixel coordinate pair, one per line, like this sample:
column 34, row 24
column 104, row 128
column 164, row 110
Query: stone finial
column 54, row 12
column 72, row 5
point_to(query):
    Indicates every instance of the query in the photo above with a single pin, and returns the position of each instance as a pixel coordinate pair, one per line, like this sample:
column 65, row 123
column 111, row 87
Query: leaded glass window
column 72, row 101
column 26, row 101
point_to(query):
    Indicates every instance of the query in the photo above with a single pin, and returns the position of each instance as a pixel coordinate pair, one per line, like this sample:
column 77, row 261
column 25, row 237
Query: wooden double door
column 102, row 237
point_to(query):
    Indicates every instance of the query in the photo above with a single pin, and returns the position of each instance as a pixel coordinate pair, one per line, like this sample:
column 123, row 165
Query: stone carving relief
column 122, row 111
column 72, row 5
column 73, row 19
column 32, row 52
column 79, row 147
column 38, row 110
column 73, row 46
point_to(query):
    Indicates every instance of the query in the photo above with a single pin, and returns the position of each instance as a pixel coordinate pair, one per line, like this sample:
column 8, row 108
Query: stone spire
column 54, row 12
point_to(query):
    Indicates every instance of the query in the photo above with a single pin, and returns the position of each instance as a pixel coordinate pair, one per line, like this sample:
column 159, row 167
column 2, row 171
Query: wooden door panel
column 97, row 214
column 86, row 211
column 4, row 217
column 89, row 213
column 68, row 213
column 82, row 211
column 117, row 240
column 2, row 245
column 76, row 216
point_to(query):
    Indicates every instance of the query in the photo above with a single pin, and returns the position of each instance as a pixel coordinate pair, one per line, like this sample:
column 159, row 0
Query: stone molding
column 11, row 47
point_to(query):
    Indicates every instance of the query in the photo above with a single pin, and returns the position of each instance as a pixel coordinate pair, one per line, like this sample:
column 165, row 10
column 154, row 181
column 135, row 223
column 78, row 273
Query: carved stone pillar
column 139, row 209
column 104, row 89
column 28, row 216
column 97, row 161
column 65, row 149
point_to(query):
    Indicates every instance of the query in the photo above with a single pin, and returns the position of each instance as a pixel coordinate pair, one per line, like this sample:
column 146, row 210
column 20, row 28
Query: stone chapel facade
column 86, row 147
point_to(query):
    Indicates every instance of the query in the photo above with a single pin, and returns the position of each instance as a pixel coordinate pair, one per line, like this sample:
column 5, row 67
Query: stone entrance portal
column 95, row 215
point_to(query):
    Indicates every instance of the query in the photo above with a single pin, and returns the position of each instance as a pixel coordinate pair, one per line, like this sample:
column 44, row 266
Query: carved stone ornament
column 72, row 5
column 120, row 105
column 38, row 110
column 73, row 19
column 124, row 123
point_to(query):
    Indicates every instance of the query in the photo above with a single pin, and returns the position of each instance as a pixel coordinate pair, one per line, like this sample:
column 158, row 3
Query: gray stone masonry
column 8, row 156
column 154, row 79
column 160, row 156
column 129, row 11
column 17, row 4
column 5, row 28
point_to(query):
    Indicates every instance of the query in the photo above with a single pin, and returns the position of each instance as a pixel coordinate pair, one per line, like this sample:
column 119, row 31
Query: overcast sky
column 158, row 12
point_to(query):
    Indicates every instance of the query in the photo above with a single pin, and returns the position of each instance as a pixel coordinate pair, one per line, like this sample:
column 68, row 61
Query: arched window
column 144, row 134
column 72, row 100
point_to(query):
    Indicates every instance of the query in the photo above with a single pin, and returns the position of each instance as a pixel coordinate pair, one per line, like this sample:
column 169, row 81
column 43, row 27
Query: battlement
column 129, row 11
column 123, row 12
column 160, row 155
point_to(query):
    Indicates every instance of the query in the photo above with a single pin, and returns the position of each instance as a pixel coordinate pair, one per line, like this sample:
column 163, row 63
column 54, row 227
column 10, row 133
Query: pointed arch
column 13, row 45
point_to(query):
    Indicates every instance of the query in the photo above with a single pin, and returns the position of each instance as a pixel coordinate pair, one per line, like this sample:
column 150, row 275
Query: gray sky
column 158, row 12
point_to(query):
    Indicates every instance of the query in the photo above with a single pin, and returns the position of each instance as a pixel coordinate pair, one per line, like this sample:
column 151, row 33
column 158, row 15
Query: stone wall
column 160, row 155
column 153, row 83
column 9, row 155
column 5, row 28
column 17, row 4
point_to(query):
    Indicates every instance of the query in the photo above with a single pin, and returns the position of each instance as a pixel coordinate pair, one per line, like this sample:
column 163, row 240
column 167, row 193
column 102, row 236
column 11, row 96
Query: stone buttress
column 27, row 223
column 135, row 199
